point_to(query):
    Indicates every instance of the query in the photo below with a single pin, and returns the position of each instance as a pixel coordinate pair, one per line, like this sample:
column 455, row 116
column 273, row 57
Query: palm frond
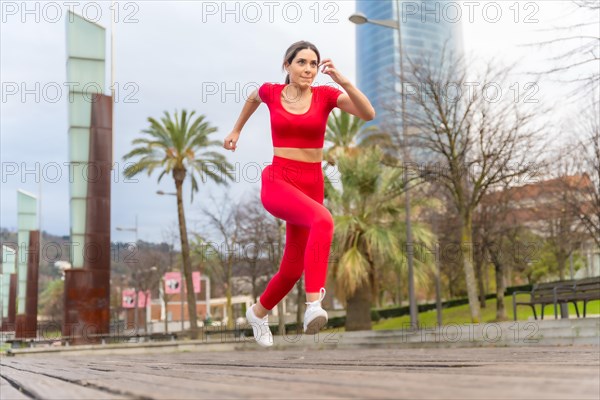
column 352, row 271
column 176, row 142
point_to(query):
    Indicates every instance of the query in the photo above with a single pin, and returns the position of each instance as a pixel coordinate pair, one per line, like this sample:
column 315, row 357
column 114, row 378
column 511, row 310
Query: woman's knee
column 324, row 221
column 290, row 275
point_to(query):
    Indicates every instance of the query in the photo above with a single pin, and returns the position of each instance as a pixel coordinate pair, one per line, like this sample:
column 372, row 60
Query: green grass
column 4, row 347
column 49, row 335
column 461, row 314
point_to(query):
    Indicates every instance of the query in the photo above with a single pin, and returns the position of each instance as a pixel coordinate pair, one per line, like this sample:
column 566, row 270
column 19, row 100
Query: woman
column 292, row 187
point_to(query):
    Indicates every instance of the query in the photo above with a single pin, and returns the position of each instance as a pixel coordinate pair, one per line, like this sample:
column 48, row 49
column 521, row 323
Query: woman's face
column 304, row 68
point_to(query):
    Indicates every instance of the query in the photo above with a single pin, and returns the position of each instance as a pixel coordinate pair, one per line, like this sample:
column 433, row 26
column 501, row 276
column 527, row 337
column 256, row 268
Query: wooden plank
column 141, row 379
column 8, row 392
column 492, row 373
column 44, row 387
column 310, row 380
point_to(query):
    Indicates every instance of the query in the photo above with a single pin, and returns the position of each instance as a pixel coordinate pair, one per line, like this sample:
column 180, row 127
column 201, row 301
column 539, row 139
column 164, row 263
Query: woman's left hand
column 328, row 68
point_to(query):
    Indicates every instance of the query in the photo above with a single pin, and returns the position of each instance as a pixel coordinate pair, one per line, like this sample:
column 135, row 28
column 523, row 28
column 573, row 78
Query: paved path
column 460, row 373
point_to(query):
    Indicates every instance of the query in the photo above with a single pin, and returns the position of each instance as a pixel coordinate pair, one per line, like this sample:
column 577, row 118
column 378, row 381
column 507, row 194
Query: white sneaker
column 260, row 328
column 315, row 317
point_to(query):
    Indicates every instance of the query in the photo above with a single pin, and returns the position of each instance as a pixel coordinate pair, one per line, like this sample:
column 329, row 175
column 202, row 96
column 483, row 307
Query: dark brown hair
column 291, row 52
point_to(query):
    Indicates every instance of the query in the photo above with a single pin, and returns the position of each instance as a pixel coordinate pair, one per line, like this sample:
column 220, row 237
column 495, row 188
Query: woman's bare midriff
column 306, row 155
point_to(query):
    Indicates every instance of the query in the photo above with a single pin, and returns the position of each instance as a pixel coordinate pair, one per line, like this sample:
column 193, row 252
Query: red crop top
column 299, row 130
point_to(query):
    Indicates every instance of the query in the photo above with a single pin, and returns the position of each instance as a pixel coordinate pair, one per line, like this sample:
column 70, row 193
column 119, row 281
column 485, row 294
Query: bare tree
column 444, row 222
column 227, row 223
column 496, row 229
column 279, row 239
column 147, row 275
column 578, row 47
column 586, row 202
column 573, row 215
column 563, row 236
column 471, row 141
column 258, row 252
column 252, row 223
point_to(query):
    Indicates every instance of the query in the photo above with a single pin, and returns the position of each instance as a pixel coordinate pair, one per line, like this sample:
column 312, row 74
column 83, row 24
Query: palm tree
column 348, row 134
column 368, row 230
column 175, row 145
column 367, row 202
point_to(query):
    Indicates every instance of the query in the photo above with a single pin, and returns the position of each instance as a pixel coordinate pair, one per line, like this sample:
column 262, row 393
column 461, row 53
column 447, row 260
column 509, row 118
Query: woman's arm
column 251, row 104
column 353, row 101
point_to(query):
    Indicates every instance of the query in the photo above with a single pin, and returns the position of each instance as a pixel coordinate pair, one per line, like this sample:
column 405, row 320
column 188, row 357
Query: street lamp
column 134, row 229
column 165, row 193
column 359, row 19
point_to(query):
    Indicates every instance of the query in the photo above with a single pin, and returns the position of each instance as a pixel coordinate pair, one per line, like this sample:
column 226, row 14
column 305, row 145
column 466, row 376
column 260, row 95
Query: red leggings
column 293, row 191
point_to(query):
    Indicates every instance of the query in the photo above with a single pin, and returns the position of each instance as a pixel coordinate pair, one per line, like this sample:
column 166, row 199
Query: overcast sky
column 166, row 55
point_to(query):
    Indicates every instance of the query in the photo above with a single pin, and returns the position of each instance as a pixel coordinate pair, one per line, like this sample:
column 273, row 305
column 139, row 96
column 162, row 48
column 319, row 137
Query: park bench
column 585, row 290
column 544, row 294
column 561, row 292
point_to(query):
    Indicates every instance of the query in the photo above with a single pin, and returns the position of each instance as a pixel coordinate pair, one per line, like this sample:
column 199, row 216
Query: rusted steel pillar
column 20, row 326
column 87, row 289
column 31, row 296
column 26, row 324
column 87, row 312
column 9, row 322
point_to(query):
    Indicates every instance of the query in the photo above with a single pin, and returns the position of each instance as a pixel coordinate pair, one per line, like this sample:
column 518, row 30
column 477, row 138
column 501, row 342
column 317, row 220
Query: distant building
column 551, row 204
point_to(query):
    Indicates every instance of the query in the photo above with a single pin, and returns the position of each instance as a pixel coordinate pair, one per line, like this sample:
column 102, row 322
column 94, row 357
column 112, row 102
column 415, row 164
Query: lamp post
column 181, row 285
column 359, row 19
column 160, row 192
column 134, row 229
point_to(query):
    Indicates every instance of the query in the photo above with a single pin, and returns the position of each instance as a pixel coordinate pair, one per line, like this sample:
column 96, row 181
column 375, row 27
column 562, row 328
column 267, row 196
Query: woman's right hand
column 230, row 142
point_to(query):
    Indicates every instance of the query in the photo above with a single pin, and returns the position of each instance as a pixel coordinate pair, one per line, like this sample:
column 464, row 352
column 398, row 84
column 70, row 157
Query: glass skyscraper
column 426, row 26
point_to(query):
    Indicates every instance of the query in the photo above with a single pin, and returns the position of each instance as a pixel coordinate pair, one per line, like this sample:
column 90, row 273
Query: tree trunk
column 228, row 305
column 500, row 286
column 438, row 286
column 399, row 288
column 135, row 313
column 145, row 314
column 166, row 301
column 358, row 309
column 470, row 281
column 185, row 251
column 229, row 286
column 300, row 308
column 281, row 317
column 486, row 275
column 561, row 259
column 254, row 285
column 479, row 269
column 374, row 277
column 451, row 294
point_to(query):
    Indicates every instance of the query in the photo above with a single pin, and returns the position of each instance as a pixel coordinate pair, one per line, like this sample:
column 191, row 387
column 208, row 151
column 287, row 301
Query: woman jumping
column 292, row 187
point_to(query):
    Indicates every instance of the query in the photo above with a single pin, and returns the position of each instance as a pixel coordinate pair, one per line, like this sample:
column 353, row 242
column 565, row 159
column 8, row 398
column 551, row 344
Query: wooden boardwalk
column 456, row 373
